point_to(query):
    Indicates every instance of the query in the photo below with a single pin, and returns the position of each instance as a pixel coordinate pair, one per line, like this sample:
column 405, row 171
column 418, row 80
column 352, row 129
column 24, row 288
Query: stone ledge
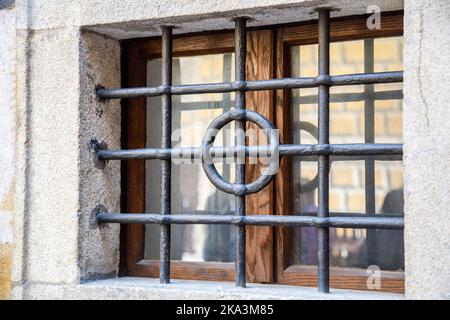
column 129, row 19
column 145, row 288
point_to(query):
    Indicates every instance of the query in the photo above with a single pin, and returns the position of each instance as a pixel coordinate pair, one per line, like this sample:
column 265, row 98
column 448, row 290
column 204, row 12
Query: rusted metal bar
column 256, row 85
column 256, row 220
column 357, row 149
column 240, row 51
column 369, row 137
column 166, row 143
column 323, row 261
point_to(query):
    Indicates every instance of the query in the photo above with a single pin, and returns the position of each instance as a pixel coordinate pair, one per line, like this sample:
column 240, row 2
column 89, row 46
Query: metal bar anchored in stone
column 240, row 44
column 255, row 220
column 323, row 261
column 290, row 150
column 166, row 128
column 256, row 85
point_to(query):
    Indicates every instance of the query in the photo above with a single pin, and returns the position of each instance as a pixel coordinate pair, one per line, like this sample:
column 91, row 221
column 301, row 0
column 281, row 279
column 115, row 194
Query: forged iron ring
column 208, row 140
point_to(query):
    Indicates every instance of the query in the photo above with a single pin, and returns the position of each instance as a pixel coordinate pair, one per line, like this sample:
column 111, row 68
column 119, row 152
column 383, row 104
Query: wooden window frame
column 268, row 56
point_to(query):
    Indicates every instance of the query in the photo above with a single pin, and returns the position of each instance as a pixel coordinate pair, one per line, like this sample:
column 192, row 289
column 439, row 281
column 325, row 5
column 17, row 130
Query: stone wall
column 7, row 144
column 426, row 128
column 55, row 187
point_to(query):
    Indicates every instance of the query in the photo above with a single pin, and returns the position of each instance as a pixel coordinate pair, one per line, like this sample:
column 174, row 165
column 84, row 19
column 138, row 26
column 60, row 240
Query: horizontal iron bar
column 356, row 149
column 303, row 213
column 257, row 220
column 273, row 84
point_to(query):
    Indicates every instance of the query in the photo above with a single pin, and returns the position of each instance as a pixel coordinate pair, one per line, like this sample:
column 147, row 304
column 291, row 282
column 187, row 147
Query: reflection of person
column 220, row 239
column 304, row 245
column 345, row 250
column 390, row 253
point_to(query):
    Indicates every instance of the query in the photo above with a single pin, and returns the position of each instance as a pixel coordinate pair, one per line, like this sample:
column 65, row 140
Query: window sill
column 145, row 288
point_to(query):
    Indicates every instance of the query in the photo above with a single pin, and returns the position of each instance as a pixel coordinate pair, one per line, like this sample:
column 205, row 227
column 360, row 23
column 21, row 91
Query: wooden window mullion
column 259, row 246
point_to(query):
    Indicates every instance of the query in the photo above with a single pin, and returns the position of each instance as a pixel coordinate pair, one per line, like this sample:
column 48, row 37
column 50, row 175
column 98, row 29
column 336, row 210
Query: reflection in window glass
column 191, row 190
column 358, row 114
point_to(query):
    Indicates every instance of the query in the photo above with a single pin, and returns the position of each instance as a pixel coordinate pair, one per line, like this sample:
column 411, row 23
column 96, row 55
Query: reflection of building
column 351, row 122
column 347, row 119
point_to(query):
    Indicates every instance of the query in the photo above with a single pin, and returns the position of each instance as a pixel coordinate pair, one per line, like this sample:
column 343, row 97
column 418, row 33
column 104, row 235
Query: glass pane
column 191, row 190
column 358, row 114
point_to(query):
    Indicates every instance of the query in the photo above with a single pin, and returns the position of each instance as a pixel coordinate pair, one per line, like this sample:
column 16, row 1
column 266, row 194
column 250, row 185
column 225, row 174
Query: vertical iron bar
column 166, row 125
column 240, row 45
column 369, row 137
column 324, row 161
column 227, row 73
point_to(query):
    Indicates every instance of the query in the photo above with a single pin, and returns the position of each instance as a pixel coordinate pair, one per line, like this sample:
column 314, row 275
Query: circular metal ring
column 208, row 140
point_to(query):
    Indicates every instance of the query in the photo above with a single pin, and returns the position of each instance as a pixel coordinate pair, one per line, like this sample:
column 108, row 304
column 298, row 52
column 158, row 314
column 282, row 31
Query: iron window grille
column 323, row 150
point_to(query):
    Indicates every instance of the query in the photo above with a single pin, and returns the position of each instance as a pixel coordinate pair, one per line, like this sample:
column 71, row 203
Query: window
column 363, row 184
